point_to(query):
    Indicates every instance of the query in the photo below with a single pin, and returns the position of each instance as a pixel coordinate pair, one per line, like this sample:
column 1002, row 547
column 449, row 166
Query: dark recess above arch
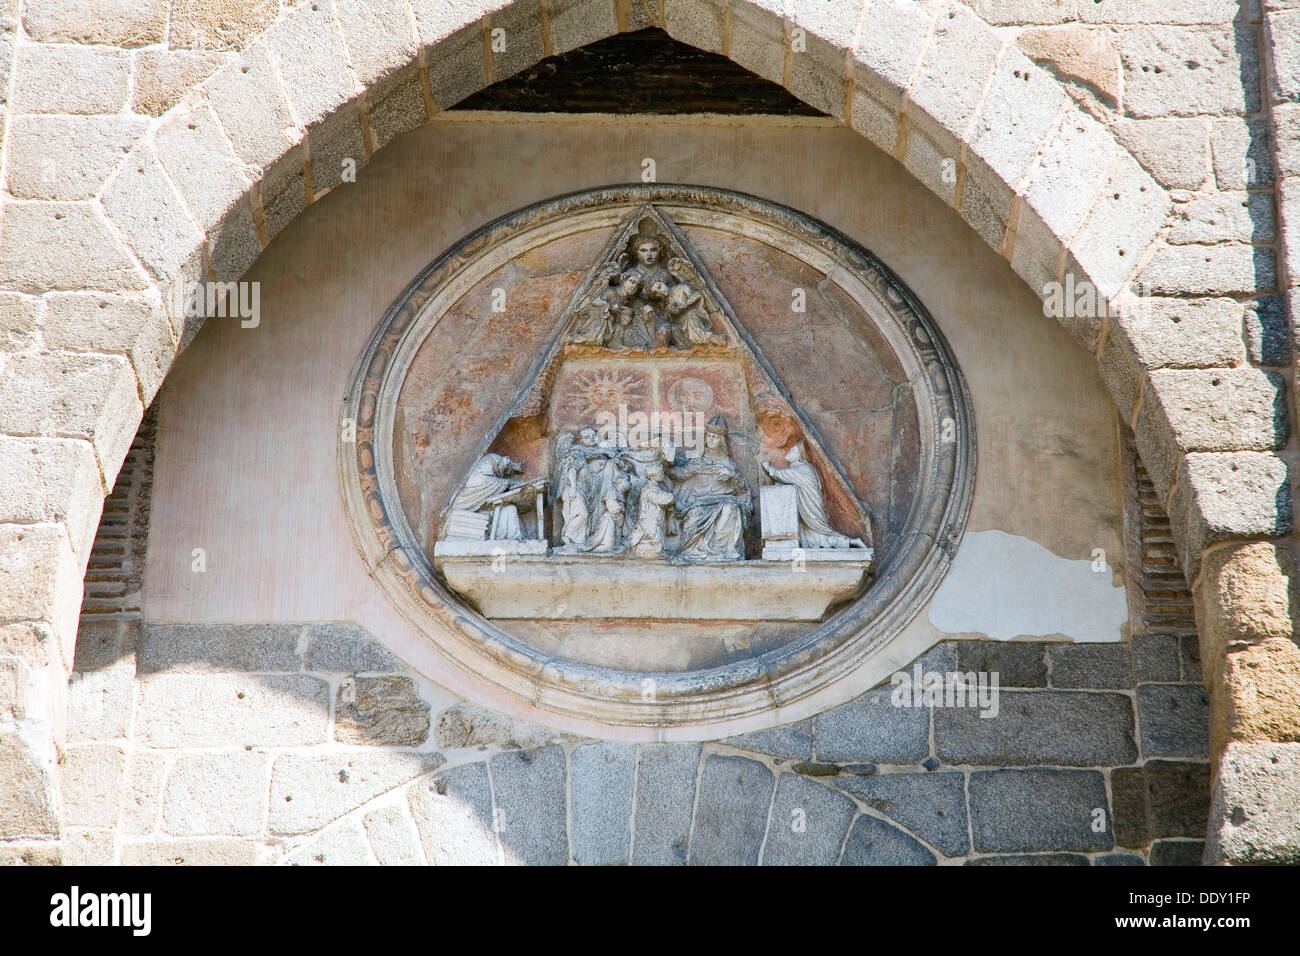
column 642, row 72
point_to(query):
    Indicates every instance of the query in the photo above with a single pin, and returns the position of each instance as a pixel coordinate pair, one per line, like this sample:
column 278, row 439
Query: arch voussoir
column 147, row 211
column 575, row 23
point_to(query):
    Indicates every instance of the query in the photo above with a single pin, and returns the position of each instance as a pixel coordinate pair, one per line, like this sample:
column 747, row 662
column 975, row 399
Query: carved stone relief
column 630, row 477
column 666, row 431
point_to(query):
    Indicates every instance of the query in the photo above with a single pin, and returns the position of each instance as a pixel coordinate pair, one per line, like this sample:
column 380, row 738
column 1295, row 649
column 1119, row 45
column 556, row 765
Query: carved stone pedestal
column 566, row 587
column 490, row 547
column 795, row 554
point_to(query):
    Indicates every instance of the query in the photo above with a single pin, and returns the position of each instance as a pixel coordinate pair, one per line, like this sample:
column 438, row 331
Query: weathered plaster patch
column 1004, row 586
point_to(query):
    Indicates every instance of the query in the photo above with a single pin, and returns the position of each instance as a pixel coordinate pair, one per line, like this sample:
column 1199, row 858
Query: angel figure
column 630, row 330
column 688, row 320
column 595, row 323
column 655, row 311
column 689, row 323
column 607, row 531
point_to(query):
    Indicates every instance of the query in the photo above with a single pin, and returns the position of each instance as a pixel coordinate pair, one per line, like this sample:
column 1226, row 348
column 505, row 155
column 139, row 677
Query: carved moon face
column 690, row 394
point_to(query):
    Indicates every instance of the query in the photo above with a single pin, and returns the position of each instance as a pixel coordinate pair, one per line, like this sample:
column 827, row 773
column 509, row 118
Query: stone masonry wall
column 109, row 198
column 310, row 743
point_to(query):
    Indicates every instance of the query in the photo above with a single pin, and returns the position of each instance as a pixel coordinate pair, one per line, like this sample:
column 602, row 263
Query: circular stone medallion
column 660, row 457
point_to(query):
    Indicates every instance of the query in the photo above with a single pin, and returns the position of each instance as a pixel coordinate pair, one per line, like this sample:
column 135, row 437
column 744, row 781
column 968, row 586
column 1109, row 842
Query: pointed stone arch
column 217, row 177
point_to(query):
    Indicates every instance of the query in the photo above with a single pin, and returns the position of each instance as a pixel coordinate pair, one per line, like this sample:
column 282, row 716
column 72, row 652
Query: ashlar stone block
column 1189, row 71
column 1208, row 410
column 67, row 157
column 51, row 480
column 199, row 160
column 143, row 204
column 1070, row 173
column 1013, row 12
column 1171, row 150
column 1256, row 693
column 380, row 38
column 1173, row 12
column 216, row 710
column 342, row 646
column 309, row 790
column 1221, row 496
column 26, row 808
column 1223, row 217
column 307, row 48
column 40, row 580
column 757, row 39
column 1021, row 811
column 163, row 77
column 809, row 823
column 731, row 815
column 1174, row 719
column 1241, row 153
column 216, row 852
column 91, row 783
column 385, row 711
column 959, row 60
column 601, row 788
column 576, row 23
column 700, row 23
column 514, row 38
column 343, row 845
column 1244, row 595
column 1255, row 803
column 197, row 24
column 665, row 800
column 870, row 729
column 73, row 395
column 398, row 111
column 436, row 20
column 1014, row 121
column 1282, row 39
column 931, row 805
column 104, row 79
column 254, row 108
column 132, row 325
column 873, row 842
column 54, row 246
column 457, row 65
column 530, row 806
column 216, row 794
column 124, row 23
column 1069, row 728
column 894, row 33
column 1129, row 211
column 1224, row 269
column 392, row 837
column 453, row 815
column 1084, row 54
column 1182, row 333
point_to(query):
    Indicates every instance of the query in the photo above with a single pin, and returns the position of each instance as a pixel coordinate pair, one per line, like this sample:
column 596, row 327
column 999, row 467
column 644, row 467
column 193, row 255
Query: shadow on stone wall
column 312, row 744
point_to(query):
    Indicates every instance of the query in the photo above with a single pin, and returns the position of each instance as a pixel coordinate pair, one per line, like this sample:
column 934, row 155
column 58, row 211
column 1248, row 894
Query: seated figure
column 490, row 477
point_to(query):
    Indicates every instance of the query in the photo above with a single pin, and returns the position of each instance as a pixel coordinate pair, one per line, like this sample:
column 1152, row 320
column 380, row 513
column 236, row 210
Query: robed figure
column 815, row 529
column 713, row 500
column 579, row 487
column 492, row 476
